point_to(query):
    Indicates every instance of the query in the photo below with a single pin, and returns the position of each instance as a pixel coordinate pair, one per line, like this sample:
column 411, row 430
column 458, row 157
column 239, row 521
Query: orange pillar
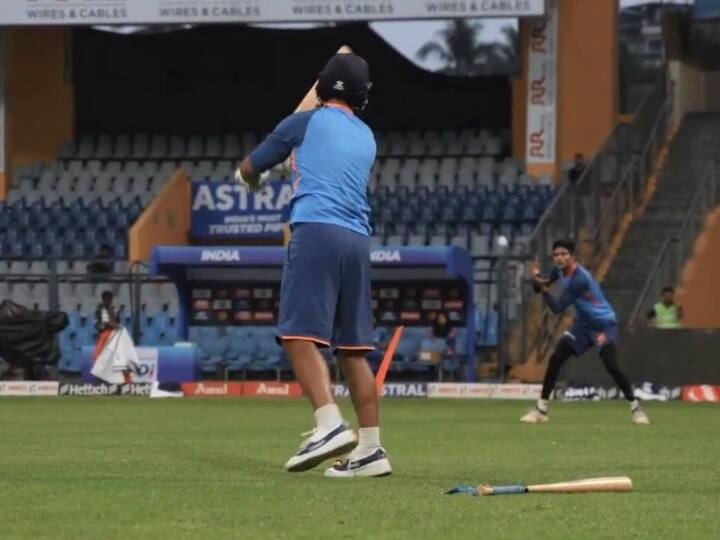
column 588, row 74
column 700, row 285
column 39, row 111
column 587, row 80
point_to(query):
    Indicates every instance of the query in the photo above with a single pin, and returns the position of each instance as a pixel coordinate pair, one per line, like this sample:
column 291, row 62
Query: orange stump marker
column 387, row 359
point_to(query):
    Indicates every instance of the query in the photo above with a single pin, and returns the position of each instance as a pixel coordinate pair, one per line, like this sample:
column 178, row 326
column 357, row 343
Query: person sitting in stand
column 441, row 342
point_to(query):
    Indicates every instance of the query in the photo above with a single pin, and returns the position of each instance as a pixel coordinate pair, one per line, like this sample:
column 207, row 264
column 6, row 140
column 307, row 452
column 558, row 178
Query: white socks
column 328, row 417
column 542, row 405
column 368, row 441
column 634, row 405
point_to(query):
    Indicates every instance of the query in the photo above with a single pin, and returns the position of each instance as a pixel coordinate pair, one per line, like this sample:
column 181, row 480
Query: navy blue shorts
column 582, row 338
column 325, row 295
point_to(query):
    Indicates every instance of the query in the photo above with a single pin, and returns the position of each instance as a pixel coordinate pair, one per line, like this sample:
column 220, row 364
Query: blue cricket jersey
column 580, row 289
column 332, row 154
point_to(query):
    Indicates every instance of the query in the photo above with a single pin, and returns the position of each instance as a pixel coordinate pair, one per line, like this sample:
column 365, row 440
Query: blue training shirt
column 580, row 289
column 332, row 154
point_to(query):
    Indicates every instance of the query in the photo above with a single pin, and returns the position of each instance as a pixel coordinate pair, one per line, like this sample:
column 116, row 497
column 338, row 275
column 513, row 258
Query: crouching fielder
column 595, row 324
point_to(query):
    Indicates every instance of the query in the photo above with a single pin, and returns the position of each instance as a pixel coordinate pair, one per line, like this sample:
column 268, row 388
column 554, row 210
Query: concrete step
column 663, row 216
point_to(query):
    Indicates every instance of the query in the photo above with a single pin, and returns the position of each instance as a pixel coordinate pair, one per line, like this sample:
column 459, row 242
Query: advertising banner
column 701, row 393
column 484, row 391
column 223, row 210
column 400, row 389
column 28, row 388
column 102, row 389
column 542, row 96
column 271, row 389
column 212, row 389
column 63, row 12
column 146, row 369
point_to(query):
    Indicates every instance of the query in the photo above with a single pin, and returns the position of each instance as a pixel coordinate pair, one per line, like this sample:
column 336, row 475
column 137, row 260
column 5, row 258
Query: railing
column 593, row 211
column 676, row 250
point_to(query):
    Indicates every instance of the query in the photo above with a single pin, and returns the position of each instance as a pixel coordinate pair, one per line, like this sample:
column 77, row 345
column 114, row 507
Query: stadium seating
column 239, row 350
column 66, row 210
column 431, row 188
column 426, row 188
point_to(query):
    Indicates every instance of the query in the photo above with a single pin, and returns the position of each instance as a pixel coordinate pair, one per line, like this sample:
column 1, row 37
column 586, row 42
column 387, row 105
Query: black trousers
column 564, row 350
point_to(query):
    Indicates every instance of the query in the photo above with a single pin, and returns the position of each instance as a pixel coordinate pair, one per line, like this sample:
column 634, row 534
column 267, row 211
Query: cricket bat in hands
column 587, row 485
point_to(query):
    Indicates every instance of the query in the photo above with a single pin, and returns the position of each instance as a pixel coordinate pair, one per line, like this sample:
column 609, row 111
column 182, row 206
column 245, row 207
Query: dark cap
column 346, row 76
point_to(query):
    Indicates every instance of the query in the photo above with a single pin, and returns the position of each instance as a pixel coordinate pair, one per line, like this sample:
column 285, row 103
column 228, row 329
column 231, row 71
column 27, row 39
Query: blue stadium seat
column 213, row 351
column 427, row 214
column 55, row 250
column 76, row 206
column 121, row 250
column 43, row 220
column 490, row 213
column 70, row 236
column 12, row 235
column 123, row 220
column 241, row 351
column 408, row 347
column 170, row 334
column 110, row 236
column 407, row 215
column 268, row 353
column 72, row 360
column 386, row 215
column 76, row 250
column 87, row 335
column 73, row 322
column 35, row 250
column 510, row 213
column 89, row 236
column 469, row 214
column 23, row 220
column 51, row 236
column 63, row 220
column 161, row 321
column 530, row 214
column 449, row 214
column 16, row 249
column 150, row 337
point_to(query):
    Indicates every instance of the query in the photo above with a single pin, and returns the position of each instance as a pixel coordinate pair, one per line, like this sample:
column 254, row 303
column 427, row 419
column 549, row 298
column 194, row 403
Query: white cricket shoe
column 321, row 445
column 376, row 464
column 640, row 417
column 535, row 416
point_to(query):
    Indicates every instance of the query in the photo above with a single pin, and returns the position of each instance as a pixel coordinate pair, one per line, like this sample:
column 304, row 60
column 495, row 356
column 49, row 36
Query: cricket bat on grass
column 587, row 485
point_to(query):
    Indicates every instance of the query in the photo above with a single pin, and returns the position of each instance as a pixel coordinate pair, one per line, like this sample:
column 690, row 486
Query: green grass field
column 137, row 468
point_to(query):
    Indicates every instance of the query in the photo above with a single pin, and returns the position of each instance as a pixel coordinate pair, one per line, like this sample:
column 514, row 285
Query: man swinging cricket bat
column 325, row 298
